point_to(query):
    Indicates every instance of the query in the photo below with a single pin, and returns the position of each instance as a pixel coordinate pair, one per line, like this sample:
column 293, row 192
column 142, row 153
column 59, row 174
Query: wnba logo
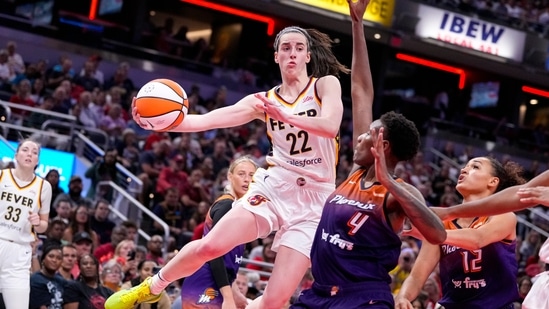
column 257, row 200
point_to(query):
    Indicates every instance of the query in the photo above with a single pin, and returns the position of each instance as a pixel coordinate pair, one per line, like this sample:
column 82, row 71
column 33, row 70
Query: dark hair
column 129, row 224
column 402, row 134
column 323, row 61
column 509, row 174
column 94, row 260
column 48, row 249
column 101, row 201
column 51, row 172
column 142, row 263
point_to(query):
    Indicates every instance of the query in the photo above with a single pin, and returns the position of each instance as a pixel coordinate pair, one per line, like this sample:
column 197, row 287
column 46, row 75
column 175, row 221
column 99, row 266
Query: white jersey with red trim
column 17, row 199
column 297, row 150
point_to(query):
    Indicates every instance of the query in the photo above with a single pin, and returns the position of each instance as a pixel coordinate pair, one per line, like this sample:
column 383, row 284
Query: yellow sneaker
column 127, row 299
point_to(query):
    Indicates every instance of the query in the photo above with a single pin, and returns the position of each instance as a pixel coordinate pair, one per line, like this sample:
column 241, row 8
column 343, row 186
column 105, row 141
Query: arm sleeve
column 219, row 272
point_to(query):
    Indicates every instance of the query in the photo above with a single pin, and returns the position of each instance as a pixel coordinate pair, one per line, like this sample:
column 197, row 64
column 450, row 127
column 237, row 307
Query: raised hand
column 357, row 8
column 378, row 150
column 539, row 195
column 270, row 108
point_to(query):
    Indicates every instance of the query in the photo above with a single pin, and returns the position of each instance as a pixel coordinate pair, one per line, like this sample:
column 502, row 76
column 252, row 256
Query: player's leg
column 227, row 234
column 289, row 268
column 17, row 297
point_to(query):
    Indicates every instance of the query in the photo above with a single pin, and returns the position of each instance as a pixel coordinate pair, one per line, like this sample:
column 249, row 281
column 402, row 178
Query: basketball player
column 303, row 116
column 24, row 209
column 357, row 242
column 478, row 267
column 210, row 286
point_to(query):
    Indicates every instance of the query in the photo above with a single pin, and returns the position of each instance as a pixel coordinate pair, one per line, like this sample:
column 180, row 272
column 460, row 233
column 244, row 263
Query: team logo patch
column 207, row 296
column 257, row 200
column 300, row 181
column 334, row 290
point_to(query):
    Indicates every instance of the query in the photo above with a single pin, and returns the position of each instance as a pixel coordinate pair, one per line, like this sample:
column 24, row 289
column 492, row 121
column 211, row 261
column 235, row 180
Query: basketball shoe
column 127, row 299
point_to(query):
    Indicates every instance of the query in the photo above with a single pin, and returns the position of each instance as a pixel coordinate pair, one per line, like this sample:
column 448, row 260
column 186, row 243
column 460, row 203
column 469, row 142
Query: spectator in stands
column 36, row 119
column 15, row 60
column 121, row 79
column 54, row 234
column 173, row 213
column 106, row 251
column 219, row 155
column 95, row 60
column 88, row 116
column 173, row 176
column 195, row 192
column 524, row 284
column 80, row 223
column 83, row 242
column 60, row 72
column 87, row 80
column 22, row 96
column 131, row 230
column 75, row 194
column 125, row 255
column 6, row 73
column 100, row 222
column 70, row 259
column 103, row 169
column 530, row 246
column 128, row 150
column 267, row 256
column 52, row 176
column 180, row 42
column 151, row 163
column 46, row 285
column 112, row 275
column 38, row 91
column 63, row 210
column 163, row 36
column 113, row 123
column 61, row 102
column 406, row 261
column 533, row 171
column 87, row 291
column 154, row 249
column 201, row 51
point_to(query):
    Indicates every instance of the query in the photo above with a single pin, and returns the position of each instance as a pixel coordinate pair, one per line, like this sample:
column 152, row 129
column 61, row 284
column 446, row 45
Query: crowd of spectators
column 182, row 175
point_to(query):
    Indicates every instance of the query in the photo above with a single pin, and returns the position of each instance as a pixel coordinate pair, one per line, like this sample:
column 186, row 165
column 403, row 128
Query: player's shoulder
column 45, row 184
column 327, row 80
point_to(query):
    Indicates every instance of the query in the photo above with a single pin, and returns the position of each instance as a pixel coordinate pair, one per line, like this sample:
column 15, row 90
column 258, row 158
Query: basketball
column 162, row 104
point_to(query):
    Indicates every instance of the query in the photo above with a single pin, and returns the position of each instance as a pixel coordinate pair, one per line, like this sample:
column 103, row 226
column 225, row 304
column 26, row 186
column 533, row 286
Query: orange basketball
column 162, row 104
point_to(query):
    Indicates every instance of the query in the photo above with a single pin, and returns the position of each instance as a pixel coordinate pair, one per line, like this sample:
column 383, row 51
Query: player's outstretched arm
column 507, row 200
column 362, row 88
column 238, row 114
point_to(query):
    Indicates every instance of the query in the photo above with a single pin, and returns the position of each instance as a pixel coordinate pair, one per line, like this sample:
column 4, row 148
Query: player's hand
column 136, row 116
column 270, row 108
column 357, row 8
column 537, row 195
column 412, row 231
column 402, row 303
column 378, row 150
column 34, row 218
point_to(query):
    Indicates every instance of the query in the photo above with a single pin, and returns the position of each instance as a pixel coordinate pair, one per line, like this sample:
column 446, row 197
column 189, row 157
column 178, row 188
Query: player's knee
column 273, row 301
column 209, row 250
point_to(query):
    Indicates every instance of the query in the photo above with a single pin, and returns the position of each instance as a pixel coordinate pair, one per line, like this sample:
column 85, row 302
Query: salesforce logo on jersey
column 49, row 159
column 470, row 33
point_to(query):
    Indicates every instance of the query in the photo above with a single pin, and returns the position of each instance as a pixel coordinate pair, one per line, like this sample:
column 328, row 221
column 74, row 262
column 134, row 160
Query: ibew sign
column 470, row 32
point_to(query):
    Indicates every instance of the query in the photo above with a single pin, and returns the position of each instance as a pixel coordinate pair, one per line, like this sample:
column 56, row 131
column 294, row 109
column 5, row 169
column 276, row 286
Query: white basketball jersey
column 295, row 149
column 15, row 203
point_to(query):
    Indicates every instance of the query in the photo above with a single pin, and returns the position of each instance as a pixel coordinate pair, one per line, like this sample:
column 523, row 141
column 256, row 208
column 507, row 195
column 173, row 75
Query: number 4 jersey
column 354, row 242
column 295, row 149
column 16, row 201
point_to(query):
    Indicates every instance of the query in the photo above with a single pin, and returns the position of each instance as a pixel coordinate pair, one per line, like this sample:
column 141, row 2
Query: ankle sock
column 158, row 284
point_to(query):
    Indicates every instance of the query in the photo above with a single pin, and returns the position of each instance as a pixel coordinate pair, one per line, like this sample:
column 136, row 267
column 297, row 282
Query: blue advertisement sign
column 49, row 159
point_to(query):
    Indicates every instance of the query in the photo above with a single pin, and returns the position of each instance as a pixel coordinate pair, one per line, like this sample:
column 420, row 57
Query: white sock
column 158, row 284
